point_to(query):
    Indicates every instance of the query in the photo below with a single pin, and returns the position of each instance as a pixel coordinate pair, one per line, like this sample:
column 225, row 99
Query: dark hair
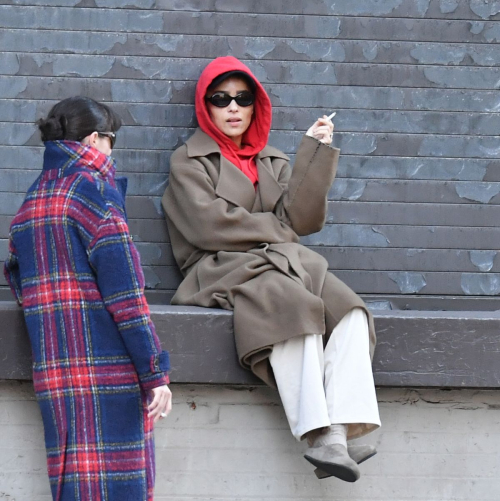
column 236, row 74
column 77, row 117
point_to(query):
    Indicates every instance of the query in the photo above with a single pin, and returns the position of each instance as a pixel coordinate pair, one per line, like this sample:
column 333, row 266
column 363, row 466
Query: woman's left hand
column 322, row 130
column 161, row 404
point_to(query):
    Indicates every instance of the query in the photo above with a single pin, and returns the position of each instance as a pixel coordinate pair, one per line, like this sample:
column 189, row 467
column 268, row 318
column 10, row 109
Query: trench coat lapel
column 234, row 186
column 269, row 190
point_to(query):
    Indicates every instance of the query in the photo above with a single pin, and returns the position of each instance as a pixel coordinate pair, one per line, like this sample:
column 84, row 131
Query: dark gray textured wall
column 416, row 205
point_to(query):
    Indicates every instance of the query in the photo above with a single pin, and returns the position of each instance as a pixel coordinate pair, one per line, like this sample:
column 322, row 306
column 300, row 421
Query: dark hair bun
column 74, row 118
column 52, row 128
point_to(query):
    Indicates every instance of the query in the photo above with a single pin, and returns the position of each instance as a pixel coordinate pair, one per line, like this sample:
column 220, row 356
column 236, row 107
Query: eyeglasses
column 223, row 99
column 111, row 135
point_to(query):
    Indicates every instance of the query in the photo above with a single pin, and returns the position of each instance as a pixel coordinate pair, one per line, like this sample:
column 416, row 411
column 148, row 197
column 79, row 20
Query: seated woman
column 235, row 210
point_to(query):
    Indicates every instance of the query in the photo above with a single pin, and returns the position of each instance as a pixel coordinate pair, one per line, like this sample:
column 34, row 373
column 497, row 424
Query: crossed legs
column 321, row 387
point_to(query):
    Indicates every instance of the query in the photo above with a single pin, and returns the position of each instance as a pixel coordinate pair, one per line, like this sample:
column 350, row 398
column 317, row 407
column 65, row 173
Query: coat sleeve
column 120, row 279
column 304, row 203
column 12, row 274
column 209, row 222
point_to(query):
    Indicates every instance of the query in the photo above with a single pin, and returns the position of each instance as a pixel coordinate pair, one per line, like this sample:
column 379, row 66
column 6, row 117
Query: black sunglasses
column 111, row 135
column 223, row 99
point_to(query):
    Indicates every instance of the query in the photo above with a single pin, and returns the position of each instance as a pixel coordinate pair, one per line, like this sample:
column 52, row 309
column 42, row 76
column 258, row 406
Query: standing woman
column 98, row 369
column 235, row 212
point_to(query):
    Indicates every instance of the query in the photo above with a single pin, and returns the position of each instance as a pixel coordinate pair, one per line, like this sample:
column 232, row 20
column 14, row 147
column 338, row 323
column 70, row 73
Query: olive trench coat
column 238, row 247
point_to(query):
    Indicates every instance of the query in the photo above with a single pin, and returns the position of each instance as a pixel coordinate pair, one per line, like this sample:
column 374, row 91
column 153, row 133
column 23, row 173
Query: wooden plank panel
column 375, row 282
column 139, row 184
column 261, row 48
column 162, row 277
column 156, row 254
column 293, row 72
column 148, row 230
column 354, row 143
column 283, row 94
column 341, row 214
column 349, row 235
column 91, row 19
column 415, row 191
column 438, row 260
column 358, row 96
column 369, row 281
column 31, row 158
column 388, row 302
column 431, row 9
column 419, row 237
column 142, row 230
column 425, row 193
column 412, row 122
column 139, row 207
column 347, row 120
column 400, row 144
column 144, row 207
column 375, row 302
column 358, row 258
column 428, row 168
column 156, row 277
column 413, row 214
column 370, row 259
column 411, row 282
column 230, row 23
column 10, row 203
column 350, row 166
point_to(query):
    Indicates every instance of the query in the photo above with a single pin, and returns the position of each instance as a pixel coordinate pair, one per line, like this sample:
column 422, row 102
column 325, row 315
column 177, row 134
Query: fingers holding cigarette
column 322, row 129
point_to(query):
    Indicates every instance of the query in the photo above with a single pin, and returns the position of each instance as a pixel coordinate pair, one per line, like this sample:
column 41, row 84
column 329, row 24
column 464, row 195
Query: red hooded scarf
column 255, row 138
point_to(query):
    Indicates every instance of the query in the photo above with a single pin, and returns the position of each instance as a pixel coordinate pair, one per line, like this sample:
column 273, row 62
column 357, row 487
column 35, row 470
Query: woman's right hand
column 322, row 130
column 162, row 402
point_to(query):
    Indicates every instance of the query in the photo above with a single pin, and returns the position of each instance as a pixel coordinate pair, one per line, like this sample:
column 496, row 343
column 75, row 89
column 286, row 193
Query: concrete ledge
column 450, row 349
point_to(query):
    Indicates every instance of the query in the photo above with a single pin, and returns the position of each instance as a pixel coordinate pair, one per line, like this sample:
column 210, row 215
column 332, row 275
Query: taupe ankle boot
column 358, row 453
column 334, row 460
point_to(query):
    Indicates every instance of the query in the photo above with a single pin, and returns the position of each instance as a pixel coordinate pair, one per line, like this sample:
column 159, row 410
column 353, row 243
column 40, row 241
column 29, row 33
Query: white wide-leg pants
column 332, row 385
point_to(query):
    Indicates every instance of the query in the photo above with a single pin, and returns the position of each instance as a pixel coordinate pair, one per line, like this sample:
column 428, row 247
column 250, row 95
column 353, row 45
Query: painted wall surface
column 234, row 444
column 416, row 205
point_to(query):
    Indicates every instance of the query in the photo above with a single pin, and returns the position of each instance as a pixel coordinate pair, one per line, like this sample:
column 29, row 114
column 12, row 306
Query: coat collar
column 233, row 185
column 61, row 158
column 201, row 145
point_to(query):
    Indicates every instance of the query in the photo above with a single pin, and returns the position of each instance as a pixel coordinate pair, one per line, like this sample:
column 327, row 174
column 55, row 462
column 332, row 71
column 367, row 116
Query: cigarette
column 332, row 115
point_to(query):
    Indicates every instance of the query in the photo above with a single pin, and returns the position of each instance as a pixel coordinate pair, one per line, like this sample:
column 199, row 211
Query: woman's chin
column 233, row 132
column 236, row 127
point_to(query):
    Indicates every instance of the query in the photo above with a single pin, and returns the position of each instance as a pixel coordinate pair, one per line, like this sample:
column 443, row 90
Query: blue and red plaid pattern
column 73, row 267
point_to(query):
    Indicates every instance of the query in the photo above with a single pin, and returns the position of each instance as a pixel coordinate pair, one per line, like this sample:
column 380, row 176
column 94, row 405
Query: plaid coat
column 74, row 269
